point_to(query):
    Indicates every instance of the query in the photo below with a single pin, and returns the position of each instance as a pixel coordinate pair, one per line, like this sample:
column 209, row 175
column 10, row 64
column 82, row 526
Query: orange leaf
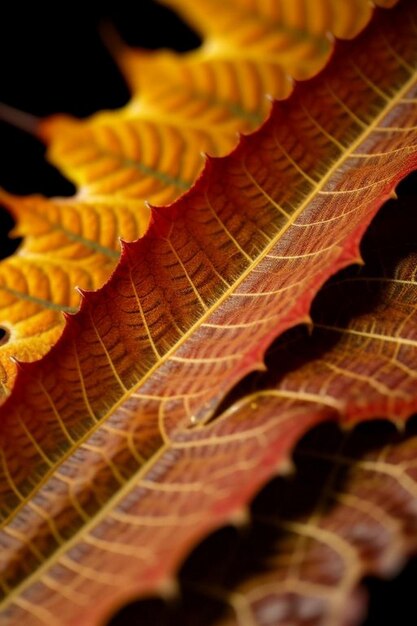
column 100, row 466
column 349, row 512
column 186, row 104
column 66, row 243
column 182, row 105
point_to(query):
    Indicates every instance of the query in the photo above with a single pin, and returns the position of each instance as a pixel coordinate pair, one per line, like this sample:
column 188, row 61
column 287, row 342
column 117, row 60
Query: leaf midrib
column 27, row 255
column 147, row 170
column 45, row 304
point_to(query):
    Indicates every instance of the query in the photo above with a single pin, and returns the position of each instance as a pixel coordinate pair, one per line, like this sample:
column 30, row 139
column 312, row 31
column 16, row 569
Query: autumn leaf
column 100, row 466
column 348, row 511
column 349, row 508
column 67, row 242
column 182, row 105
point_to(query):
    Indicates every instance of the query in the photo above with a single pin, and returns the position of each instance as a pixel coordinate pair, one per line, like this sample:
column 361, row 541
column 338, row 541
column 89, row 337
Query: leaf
column 349, row 512
column 296, row 34
column 248, row 50
column 186, row 104
column 182, row 105
column 66, row 242
column 350, row 507
column 101, row 467
column 360, row 356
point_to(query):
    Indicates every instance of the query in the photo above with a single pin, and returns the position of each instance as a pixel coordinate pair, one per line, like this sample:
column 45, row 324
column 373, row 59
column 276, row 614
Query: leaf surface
column 118, row 474
column 66, row 243
column 182, row 105
column 249, row 49
column 349, row 512
column 232, row 264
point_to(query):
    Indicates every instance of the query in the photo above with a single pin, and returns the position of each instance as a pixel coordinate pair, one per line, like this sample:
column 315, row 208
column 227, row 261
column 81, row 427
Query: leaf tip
column 125, row 246
column 82, row 292
column 168, row 589
column 160, row 221
column 308, row 322
column 15, row 360
column 20, row 365
column 399, row 424
column 347, row 425
column 286, row 467
column 240, row 517
column 67, row 315
column 209, row 159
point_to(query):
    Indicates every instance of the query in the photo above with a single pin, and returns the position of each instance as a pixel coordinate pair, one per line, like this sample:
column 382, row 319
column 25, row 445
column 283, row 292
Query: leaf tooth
column 127, row 248
column 87, row 298
column 15, row 360
column 242, row 137
column 308, row 322
column 240, row 518
column 398, row 423
column 210, row 163
column 67, row 315
column 112, row 39
column 286, row 467
column 23, row 366
column 83, row 292
column 256, row 362
column 355, row 255
column 168, row 589
column 261, row 366
column 346, row 425
column 161, row 219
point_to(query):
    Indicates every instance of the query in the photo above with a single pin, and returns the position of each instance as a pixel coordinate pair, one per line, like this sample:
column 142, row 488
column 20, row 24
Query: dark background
column 52, row 60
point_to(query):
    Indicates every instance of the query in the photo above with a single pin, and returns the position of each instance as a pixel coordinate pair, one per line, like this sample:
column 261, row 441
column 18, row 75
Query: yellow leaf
column 67, row 243
column 185, row 104
column 151, row 150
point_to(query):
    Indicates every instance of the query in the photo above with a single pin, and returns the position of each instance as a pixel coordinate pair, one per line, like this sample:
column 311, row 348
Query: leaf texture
column 296, row 35
column 187, row 103
column 360, row 357
column 182, row 105
column 249, row 49
column 66, row 243
column 349, row 512
column 350, row 508
column 132, row 473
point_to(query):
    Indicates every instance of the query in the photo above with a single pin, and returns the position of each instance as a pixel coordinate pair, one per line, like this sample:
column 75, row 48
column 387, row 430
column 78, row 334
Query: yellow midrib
column 391, row 103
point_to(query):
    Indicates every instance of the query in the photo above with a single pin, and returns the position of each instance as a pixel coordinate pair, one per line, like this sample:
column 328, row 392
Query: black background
column 52, row 60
